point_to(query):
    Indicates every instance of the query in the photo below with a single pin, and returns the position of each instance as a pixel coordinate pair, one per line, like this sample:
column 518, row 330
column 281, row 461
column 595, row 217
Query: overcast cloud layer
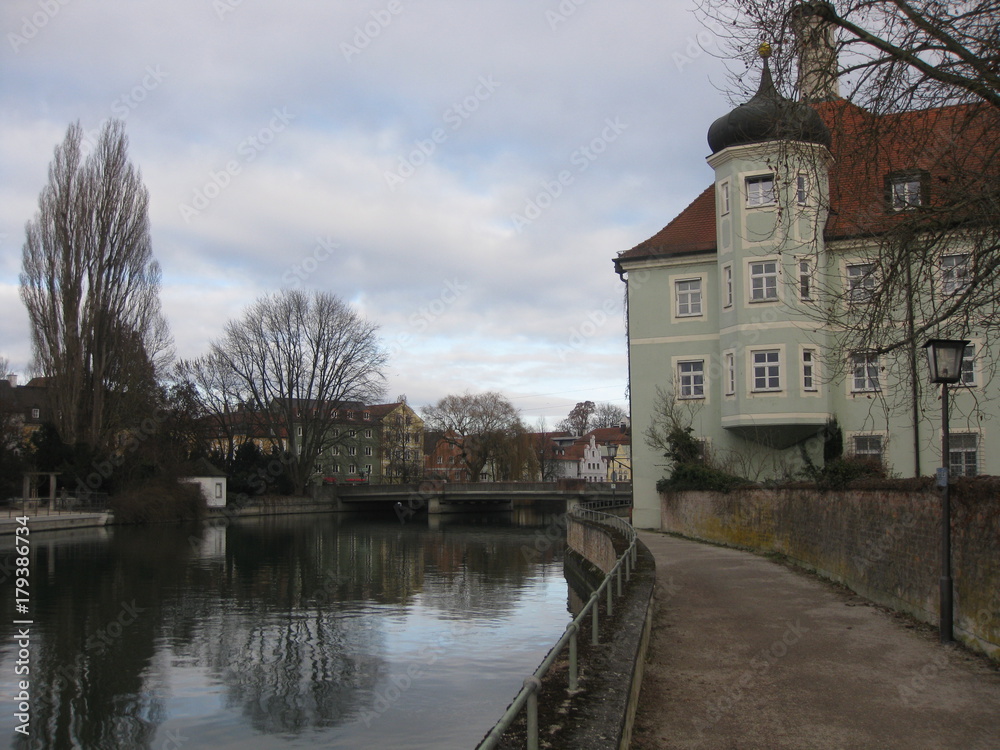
column 463, row 172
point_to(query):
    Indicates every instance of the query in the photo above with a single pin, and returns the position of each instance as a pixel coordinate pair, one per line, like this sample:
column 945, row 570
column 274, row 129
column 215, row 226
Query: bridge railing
column 527, row 698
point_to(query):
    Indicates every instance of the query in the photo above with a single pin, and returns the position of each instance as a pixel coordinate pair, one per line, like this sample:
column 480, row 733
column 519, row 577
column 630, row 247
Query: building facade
column 728, row 321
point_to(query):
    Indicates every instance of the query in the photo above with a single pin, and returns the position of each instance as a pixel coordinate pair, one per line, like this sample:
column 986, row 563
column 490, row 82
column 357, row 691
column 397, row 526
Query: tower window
column 764, row 281
column 760, row 190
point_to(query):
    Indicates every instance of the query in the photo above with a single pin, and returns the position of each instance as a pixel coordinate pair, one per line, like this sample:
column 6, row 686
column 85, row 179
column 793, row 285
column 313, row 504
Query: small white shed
column 210, row 479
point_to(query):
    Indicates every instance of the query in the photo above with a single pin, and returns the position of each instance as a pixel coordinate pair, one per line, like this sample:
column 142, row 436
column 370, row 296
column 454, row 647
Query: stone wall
column 592, row 542
column 883, row 544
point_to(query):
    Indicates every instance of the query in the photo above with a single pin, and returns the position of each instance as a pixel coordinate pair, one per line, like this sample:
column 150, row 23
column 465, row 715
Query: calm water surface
column 285, row 632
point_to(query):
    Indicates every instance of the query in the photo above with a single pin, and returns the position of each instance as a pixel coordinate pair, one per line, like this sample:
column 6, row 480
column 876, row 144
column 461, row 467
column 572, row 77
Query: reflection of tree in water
column 96, row 614
column 287, row 615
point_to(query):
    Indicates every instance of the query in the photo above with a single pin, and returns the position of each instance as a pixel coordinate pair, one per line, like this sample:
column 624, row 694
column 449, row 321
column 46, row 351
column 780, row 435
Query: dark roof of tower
column 768, row 116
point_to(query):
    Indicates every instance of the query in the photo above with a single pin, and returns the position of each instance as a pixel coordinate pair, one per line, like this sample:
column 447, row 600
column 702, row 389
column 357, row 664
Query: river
column 314, row 631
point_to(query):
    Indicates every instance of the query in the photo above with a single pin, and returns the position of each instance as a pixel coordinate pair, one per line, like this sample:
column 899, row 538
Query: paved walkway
column 747, row 654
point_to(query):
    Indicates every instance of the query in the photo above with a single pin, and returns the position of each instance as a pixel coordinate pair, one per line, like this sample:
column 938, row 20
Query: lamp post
column 944, row 358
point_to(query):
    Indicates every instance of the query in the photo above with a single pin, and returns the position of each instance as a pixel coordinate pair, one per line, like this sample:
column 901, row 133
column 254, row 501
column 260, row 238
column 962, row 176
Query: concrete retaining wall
column 883, row 544
column 610, row 705
column 591, row 542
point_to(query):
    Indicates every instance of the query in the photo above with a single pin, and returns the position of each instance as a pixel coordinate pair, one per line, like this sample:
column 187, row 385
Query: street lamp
column 944, row 357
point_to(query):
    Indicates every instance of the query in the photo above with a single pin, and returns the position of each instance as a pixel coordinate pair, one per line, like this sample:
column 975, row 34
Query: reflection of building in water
column 291, row 623
column 212, row 542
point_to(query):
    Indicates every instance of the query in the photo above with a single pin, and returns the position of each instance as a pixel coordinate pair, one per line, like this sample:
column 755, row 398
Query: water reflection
column 284, row 632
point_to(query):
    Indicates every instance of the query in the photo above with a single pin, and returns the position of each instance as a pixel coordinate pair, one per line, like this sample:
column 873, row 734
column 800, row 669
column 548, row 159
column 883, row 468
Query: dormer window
column 906, row 190
column 760, row 190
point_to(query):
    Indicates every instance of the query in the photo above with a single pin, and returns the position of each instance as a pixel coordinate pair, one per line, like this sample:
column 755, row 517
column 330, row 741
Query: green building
column 744, row 312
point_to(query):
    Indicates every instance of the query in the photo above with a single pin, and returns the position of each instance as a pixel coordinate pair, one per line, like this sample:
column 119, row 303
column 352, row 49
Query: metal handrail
column 527, row 697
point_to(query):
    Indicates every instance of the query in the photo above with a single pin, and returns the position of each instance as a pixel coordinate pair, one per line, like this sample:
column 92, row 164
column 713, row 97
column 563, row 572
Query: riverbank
column 43, row 519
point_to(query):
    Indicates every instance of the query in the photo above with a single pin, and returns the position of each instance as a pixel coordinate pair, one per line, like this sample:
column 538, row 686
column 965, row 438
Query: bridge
column 434, row 496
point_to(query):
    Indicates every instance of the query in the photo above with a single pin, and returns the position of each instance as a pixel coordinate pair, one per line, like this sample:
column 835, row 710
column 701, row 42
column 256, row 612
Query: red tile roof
column 866, row 148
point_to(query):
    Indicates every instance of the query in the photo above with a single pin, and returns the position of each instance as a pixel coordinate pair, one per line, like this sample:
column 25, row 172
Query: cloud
column 388, row 152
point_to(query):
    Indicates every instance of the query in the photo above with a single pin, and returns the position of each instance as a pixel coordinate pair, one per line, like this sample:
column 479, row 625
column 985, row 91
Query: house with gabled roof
column 724, row 304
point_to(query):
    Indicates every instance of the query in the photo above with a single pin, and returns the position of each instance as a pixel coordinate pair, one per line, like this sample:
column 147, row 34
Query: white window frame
column 806, row 275
column 690, row 379
column 905, row 191
column 729, row 359
column 693, row 298
column 802, row 189
column 368, row 450
column 860, row 282
column 810, row 369
column 727, row 285
column 867, row 383
column 768, row 279
column 880, row 454
column 724, row 205
column 954, row 273
column 970, row 378
column 769, row 370
column 954, row 447
column 352, row 450
column 759, row 190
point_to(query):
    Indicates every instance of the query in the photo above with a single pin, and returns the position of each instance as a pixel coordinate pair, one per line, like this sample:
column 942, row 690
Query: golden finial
column 764, row 50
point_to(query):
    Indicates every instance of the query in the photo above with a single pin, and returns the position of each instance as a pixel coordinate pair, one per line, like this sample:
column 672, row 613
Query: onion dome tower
column 768, row 116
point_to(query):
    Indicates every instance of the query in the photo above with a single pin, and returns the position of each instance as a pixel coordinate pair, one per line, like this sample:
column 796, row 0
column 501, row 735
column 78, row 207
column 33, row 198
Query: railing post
column 595, row 625
column 628, row 567
column 532, row 709
column 619, row 570
column 610, row 594
column 573, row 667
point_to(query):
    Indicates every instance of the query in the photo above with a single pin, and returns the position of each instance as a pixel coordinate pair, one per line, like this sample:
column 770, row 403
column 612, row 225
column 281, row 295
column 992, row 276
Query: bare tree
column 608, row 415
column 218, row 393
column 300, row 359
column 909, row 89
column 479, row 425
column 578, row 420
column 401, row 444
column 91, row 287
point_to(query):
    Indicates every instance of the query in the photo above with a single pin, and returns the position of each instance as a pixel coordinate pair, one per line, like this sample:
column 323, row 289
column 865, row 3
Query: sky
column 463, row 173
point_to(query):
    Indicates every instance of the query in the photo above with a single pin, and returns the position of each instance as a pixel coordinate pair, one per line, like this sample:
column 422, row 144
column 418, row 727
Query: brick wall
column 883, row 544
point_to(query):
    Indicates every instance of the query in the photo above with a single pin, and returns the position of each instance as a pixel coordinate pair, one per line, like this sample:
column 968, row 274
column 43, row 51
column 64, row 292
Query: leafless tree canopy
column 481, row 425
column 578, row 420
column 218, row 395
column 91, row 287
column 302, row 357
column 608, row 415
column 906, row 88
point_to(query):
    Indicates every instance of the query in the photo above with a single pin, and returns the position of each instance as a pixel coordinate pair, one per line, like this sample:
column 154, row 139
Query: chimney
column 816, row 50
column 12, row 379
